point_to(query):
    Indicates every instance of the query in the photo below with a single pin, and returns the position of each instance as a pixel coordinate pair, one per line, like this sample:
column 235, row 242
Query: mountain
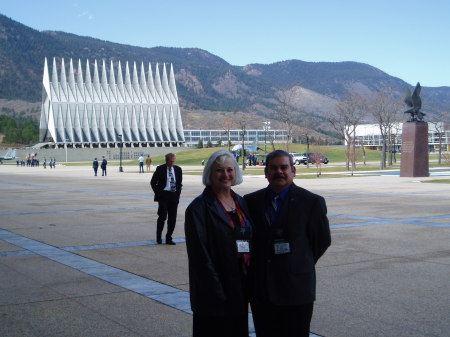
column 205, row 82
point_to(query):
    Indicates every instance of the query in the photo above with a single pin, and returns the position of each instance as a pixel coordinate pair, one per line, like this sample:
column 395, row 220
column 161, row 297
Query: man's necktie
column 173, row 188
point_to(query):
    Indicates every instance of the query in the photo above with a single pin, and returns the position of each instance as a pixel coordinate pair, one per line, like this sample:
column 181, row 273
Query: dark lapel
column 214, row 207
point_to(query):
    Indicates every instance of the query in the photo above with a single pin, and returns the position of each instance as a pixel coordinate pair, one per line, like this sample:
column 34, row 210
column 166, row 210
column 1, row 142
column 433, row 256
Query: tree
column 200, row 144
column 286, row 110
column 243, row 121
column 227, row 125
column 385, row 109
column 345, row 119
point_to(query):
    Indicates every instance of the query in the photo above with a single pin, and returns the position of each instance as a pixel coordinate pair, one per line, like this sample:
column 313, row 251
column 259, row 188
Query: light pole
column 266, row 127
column 120, row 154
column 65, row 145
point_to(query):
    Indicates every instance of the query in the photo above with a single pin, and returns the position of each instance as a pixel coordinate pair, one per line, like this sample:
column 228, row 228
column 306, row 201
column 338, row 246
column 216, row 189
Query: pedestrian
column 148, row 162
column 291, row 232
column 54, row 162
column 166, row 183
column 103, row 166
column 95, row 166
column 218, row 232
column 141, row 164
column 45, row 163
column 50, row 163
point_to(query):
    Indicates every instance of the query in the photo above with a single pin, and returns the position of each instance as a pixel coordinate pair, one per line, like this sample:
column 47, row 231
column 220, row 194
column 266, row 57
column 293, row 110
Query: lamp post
column 120, row 153
column 266, row 127
column 65, row 145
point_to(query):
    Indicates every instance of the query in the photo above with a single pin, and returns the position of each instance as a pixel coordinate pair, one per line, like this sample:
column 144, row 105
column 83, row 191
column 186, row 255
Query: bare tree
column 385, row 109
column 227, row 125
column 345, row 119
column 243, row 121
column 287, row 110
column 439, row 131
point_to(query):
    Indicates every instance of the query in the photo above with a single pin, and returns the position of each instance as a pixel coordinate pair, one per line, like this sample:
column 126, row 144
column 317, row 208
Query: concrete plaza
column 78, row 256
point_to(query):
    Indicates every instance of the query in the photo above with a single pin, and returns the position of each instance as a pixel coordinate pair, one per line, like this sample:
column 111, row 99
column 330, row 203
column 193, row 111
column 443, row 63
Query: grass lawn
column 336, row 154
column 438, row 181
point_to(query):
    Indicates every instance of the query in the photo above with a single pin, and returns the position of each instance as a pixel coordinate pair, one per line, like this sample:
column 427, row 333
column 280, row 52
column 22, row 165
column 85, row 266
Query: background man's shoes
column 158, row 241
column 170, row 243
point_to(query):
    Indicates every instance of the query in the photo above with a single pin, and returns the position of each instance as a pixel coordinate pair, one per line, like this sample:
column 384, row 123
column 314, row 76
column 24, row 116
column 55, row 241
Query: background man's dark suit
column 167, row 201
column 287, row 280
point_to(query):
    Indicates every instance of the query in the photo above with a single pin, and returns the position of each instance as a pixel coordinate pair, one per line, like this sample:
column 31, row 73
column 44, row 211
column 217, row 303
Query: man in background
column 148, row 162
column 141, row 164
column 166, row 183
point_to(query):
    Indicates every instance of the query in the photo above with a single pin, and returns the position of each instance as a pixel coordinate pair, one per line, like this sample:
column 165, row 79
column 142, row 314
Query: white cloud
column 87, row 15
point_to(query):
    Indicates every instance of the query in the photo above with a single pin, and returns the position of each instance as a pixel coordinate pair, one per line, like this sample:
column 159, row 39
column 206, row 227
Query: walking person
column 218, row 233
column 291, row 232
column 166, row 183
column 141, row 164
column 95, row 166
column 103, row 166
column 148, row 162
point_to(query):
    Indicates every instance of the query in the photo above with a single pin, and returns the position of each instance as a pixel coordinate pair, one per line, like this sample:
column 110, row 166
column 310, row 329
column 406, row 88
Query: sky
column 406, row 39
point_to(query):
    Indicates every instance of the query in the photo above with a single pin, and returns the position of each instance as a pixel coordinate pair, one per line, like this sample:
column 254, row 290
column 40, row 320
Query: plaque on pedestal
column 414, row 160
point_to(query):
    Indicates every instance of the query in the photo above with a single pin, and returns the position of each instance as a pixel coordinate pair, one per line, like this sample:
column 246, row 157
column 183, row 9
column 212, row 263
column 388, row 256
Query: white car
column 299, row 158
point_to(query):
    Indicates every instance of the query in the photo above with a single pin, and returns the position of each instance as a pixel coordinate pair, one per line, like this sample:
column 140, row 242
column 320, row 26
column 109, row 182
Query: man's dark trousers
column 282, row 321
column 167, row 209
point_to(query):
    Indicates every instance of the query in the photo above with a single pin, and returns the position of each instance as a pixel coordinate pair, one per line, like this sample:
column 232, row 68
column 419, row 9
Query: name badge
column 281, row 248
column 243, row 246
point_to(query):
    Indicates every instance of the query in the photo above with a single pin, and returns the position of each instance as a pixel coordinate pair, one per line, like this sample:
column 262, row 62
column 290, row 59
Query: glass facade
column 192, row 137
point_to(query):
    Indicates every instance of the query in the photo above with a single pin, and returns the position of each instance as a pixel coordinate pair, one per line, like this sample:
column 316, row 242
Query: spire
column 150, row 83
column 55, row 82
column 128, row 81
column 63, row 80
column 135, row 83
column 88, row 82
column 72, row 87
column 80, row 83
column 165, row 83
column 158, row 86
column 120, row 86
column 112, row 81
column 143, row 83
column 96, row 83
column 104, row 83
column 172, row 85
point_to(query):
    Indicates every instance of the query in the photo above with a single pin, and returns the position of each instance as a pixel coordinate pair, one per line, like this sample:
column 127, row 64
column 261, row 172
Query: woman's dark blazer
column 215, row 279
column 288, row 279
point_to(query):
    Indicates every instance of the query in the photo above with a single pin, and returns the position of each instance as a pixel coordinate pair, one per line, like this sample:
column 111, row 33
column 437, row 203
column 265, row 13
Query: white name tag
column 243, row 246
column 282, row 248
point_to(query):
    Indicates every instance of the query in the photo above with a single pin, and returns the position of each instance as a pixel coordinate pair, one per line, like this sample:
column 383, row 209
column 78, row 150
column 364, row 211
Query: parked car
column 298, row 158
column 314, row 158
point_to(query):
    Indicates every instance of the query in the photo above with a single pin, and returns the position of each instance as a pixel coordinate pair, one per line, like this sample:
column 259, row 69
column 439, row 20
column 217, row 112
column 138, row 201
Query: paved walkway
column 78, row 256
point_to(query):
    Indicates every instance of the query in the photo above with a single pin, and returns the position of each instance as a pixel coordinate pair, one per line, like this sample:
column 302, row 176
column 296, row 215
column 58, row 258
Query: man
column 95, row 166
column 148, row 162
column 291, row 232
column 103, row 166
column 166, row 184
column 141, row 164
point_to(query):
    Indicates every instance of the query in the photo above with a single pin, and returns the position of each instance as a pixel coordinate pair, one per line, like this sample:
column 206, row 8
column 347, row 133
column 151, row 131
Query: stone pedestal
column 414, row 160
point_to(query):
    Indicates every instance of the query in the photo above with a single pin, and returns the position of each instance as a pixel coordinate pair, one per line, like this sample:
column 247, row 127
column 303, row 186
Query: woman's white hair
column 220, row 157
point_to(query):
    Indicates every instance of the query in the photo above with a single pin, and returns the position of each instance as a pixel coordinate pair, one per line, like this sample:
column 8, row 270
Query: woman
column 218, row 233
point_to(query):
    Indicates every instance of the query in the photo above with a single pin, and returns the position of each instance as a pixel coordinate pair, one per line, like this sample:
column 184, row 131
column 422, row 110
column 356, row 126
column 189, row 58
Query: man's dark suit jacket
column 159, row 180
column 288, row 279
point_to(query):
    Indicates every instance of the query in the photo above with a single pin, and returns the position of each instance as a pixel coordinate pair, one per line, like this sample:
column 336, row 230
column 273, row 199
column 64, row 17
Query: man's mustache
column 279, row 176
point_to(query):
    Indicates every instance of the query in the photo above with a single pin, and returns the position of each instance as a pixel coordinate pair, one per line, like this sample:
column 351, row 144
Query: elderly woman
column 218, row 233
